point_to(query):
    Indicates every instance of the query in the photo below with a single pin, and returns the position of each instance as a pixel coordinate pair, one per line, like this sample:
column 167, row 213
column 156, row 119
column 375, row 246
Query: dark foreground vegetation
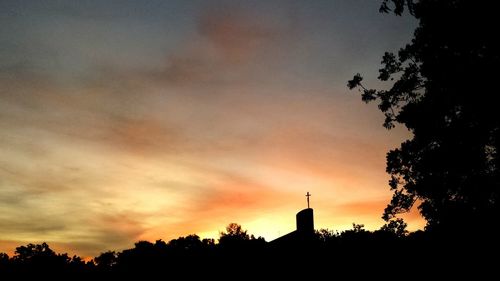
column 440, row 86
column 390, row 252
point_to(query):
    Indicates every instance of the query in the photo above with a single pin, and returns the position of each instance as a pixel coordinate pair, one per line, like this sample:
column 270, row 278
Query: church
column 305, row 228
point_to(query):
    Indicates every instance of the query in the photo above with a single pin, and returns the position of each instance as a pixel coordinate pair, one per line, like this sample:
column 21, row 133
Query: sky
column 123, row 121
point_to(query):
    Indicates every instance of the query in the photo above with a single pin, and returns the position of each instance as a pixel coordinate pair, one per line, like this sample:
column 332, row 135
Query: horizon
column 58, row 249
column 136, row 121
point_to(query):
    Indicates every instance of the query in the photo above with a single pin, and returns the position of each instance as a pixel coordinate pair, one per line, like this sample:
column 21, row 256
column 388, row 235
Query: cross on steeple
column 308, row 195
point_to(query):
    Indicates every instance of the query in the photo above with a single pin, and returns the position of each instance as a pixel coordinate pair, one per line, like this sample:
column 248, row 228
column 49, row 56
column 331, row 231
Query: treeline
column 391, row 247
column 238, row 252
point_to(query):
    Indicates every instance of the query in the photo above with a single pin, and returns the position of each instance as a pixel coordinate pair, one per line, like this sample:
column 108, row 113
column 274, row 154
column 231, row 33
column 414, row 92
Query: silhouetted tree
column 32, row 252
column 357, row 234
column 234, row 235
column 189, row 243
column 358, row 228
column 106, row 261
column 40, row 256
column 325, row 235
column 4, row 257
column 144, row 257
column 396, row 227
column 42, row 261
column 442, row 89
column 4, row 261
column 189, row 258
column 208, row 242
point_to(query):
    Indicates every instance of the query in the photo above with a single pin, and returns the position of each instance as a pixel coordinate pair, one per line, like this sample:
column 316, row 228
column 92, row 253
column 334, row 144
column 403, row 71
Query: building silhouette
column 305, row 228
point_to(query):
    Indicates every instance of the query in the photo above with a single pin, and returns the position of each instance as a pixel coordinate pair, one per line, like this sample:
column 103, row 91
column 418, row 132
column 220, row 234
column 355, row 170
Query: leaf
column 355, row 82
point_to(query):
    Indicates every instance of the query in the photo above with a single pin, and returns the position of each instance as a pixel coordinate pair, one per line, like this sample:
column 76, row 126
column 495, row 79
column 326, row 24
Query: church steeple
column 305, row 227
column 305, row 219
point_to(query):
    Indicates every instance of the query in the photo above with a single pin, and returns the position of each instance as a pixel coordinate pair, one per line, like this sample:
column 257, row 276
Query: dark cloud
column 30, row 225
column 230, row 40
column 237, row 35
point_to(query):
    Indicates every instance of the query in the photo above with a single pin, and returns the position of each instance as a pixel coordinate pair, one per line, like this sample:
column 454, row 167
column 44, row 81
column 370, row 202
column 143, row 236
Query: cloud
column 86, row 238
column 230, row 43
column 30, row 226
column 237, row 35
column 114, row 229
column 144, row 136
column 224, row 197
column 363, row 208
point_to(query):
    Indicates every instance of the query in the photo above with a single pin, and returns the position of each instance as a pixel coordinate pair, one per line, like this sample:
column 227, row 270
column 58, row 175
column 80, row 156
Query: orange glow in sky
column 120, row 124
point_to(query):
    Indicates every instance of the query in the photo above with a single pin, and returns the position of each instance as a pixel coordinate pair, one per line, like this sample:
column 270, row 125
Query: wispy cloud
column 228, row 44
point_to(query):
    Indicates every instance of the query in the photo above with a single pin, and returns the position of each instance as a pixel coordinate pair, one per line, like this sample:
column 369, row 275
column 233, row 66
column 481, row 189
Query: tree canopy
column 329, row 252
column 441, row 88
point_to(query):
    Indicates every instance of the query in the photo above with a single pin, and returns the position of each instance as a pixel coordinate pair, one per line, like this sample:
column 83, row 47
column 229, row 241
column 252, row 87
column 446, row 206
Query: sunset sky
column 139, row 120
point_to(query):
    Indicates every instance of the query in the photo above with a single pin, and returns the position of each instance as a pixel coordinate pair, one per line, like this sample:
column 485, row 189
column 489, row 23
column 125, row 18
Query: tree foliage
column 188, row 257
column 106, row 260
column 442, row 89
column 234, row 234
column 396, row 227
